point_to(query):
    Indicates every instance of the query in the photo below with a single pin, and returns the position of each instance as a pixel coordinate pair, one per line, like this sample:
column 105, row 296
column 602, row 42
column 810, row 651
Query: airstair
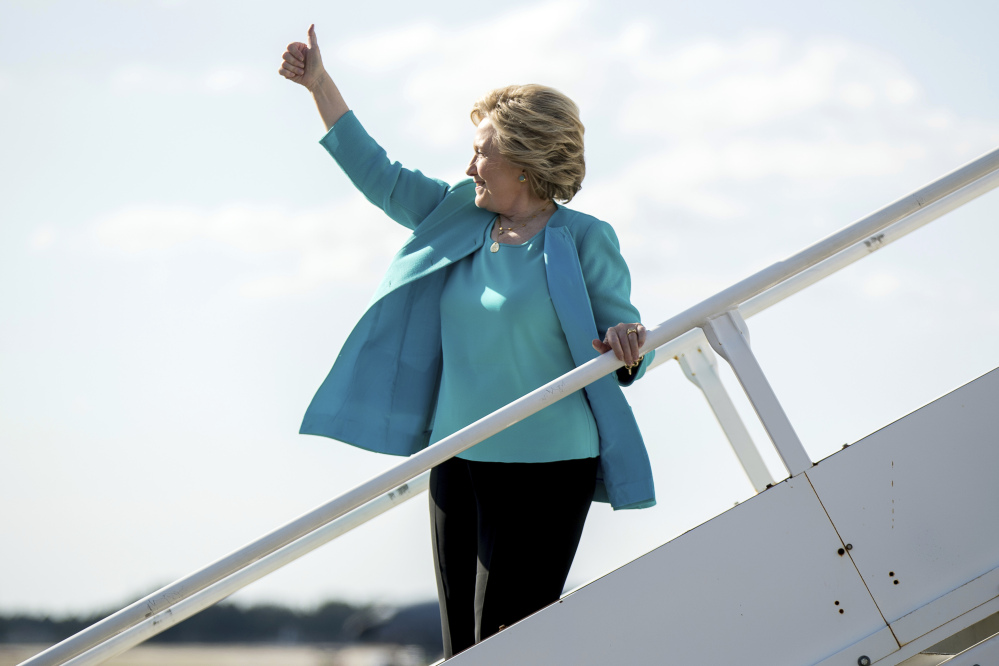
column 873, row 556
column 884, row 553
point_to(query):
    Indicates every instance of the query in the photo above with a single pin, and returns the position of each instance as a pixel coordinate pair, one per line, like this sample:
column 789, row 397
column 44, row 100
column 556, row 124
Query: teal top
column 501, row 340
column 382, row 390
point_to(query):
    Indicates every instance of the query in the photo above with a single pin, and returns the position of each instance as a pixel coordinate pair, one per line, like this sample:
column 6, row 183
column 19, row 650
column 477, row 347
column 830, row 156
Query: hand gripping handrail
column 722, row 302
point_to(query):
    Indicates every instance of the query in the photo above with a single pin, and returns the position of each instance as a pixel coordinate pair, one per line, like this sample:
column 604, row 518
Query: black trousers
column 504, row 536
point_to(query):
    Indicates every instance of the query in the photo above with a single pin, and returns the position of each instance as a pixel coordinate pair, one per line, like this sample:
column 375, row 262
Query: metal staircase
column 872, row 556
column 884, row 553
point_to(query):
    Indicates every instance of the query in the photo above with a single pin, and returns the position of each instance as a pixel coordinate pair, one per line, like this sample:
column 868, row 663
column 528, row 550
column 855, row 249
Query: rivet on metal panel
column 841, row 611
column 864, row 661
column 841, row 552
column 896, row 581
column 891, row 574
column 849, row 546
column 836, row 602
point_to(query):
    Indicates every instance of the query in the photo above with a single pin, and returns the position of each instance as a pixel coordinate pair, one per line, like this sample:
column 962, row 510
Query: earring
column 522, row 178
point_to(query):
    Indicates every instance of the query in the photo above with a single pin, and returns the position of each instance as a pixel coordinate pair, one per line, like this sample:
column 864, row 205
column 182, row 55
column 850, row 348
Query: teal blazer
column 382, row 391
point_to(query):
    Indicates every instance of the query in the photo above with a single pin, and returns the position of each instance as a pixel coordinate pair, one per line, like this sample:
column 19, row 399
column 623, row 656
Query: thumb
column 600, row 346
column 313, row 42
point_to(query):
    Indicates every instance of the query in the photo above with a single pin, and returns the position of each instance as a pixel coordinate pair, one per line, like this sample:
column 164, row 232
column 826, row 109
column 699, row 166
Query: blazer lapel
column 450, row 233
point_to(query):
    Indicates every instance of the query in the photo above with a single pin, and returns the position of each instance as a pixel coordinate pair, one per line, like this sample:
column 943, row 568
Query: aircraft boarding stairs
column 883, row 553
column 872, row 556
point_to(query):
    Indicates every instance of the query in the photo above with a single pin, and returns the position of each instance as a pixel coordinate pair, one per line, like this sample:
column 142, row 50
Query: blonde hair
column 538, row 129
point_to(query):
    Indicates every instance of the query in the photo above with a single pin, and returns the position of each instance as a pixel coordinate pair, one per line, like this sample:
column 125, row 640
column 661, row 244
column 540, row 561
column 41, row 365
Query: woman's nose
column 470, row 171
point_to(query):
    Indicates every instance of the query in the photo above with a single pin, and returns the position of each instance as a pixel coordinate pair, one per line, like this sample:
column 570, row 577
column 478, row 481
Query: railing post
column 729, row 336
column 701, row 367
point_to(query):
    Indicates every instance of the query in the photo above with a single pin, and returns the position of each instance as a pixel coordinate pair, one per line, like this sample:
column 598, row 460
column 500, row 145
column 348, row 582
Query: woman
column 498, row 291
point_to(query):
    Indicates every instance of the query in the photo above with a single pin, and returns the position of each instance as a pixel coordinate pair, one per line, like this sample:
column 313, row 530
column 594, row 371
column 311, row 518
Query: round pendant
column 494, row 247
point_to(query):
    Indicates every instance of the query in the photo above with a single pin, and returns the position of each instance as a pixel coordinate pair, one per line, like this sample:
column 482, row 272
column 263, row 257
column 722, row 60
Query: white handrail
column 213, row 594
column 839, row 261
column 724, row 301
column 867, row 246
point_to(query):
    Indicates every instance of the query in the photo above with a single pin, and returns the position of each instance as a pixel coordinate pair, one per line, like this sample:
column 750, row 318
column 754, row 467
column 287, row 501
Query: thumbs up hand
column 302, row 63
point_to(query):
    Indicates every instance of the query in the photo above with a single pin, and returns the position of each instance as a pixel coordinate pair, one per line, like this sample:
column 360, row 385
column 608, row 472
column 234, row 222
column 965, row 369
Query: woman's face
column 497, row 185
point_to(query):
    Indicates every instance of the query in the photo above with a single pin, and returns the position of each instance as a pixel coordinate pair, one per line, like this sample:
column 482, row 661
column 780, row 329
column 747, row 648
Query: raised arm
column 303, row 64
column 406, row 196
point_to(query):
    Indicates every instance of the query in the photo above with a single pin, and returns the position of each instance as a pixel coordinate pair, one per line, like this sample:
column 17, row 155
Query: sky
column 180, row 260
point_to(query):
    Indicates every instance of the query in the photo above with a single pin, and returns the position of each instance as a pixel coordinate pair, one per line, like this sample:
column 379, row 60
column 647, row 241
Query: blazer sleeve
column 406, row 196
column 608, row 285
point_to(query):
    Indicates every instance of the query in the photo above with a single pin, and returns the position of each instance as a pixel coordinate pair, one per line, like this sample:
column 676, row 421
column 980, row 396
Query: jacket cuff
column 347, row 129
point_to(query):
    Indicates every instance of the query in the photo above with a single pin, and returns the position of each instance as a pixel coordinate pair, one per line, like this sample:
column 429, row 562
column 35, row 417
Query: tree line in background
column 333, row 622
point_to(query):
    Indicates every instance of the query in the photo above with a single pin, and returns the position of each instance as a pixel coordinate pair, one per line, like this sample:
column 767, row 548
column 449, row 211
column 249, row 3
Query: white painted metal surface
column 766, row 576
column 919, row 500
column 757, row 585
column 701, row 367
column 723, row 302
column 729, row 336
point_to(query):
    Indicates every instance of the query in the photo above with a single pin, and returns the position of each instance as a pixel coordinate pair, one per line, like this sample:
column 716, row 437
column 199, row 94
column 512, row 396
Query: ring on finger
column 632, row 330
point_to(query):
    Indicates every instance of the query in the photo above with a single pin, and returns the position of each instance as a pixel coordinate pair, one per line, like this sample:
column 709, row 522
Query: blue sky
column 180, row 260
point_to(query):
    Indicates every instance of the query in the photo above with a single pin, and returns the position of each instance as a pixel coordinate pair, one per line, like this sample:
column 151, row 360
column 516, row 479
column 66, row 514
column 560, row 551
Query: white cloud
column 42, row 238
column 348, row 241
column 633, row 39
column 145, row 78
column 520, row 46
column 901, row 91
column 857, row 95
column 881, row 285
column 706, row 57
column 389, row 49
column 221, row 79
column 230, row 79
column 693, row 176
column 719, row 130
column 828, row 108
column 756, row 82
column 939, row 119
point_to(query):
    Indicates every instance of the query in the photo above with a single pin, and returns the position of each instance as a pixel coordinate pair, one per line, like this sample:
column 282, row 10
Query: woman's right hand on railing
column 302, row 63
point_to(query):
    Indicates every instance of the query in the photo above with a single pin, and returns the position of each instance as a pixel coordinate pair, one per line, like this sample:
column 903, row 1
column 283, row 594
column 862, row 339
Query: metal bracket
column 700, row 366
column 729, row 337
